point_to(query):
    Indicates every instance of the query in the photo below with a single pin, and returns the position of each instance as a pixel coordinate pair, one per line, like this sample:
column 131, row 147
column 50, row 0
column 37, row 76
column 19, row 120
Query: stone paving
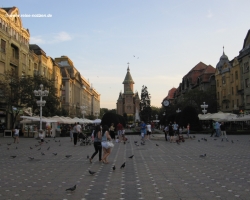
column 168, row 171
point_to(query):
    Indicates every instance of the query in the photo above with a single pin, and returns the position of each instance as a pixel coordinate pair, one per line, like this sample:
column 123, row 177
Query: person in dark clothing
column 75, row 134
column 97, row 143
column 223, row 129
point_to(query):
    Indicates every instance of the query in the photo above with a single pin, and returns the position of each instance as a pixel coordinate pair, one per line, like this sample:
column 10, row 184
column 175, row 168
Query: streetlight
column 42, row 93
column 204, row 106
column 178, row 111
column 96, row 114
column 83, row 108
column 156, row 116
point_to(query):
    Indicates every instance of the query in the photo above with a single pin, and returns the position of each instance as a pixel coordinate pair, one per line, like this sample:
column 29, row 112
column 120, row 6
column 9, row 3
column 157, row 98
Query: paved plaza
column 168, row 171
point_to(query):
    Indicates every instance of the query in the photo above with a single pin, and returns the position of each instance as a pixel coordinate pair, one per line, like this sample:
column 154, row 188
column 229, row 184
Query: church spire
column 128, row 70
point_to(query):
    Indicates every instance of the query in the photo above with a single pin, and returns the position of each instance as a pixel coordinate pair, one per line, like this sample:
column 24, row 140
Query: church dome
column 223, row 60
column 128, row 79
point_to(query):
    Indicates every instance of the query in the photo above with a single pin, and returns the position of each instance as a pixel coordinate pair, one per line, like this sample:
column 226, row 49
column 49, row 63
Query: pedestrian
column 112, row 131
column 213, row 130
column 166, row 132
column 153, row 127
column 41, row 136
column 75, row 134
column 71, row 133
column 175, row 128
column 188, row 130
column 16, row 135
column 223, row 129
column 119, row 129
column 97, row 143
column 149, row 131
column 79, row 130
column 143, row 131
column 105, row 148
column 217, row 129
column 171, row 132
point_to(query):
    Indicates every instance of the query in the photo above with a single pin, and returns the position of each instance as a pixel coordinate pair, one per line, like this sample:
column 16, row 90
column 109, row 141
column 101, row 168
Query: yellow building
column 228, row 85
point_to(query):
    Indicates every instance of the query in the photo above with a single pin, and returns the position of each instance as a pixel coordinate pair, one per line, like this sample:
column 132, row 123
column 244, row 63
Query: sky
column 162, row 40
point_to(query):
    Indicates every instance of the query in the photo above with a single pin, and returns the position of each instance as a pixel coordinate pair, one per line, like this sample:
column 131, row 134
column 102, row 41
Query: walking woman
column 16, row 135
column 97, row 143
column 105, row 138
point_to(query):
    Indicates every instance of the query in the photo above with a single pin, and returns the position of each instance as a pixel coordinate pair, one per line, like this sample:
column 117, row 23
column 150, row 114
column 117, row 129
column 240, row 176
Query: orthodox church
column 128, row 102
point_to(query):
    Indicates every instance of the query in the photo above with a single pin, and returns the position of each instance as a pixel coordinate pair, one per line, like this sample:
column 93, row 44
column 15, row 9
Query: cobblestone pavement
column 168, row 171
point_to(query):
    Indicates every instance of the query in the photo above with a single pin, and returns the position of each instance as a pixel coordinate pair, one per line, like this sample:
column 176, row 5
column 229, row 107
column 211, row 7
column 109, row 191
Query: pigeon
column 205, row 139
column 42, row 153
column 157, row 145
column 60, row 145
column 16, row 147
column 71, row 189
column 222, row 139
column 91, row 172
column 113, row 168
column 202, row 156
column 48, row 148
column 142, row 143
column 67, row 156
column 58, row 140
column 215, row 139
column 232, row 141
column 177, row 142
column 122, row 166
column 8, row 144
column 124, row 142
column 31, row 148
column 193, row 136
column 31, row 158
column 135, row 142
column 55, row 154
column 87, row 156
column 38, row 149
column 8, row 148
column 198, row 140
column 131, row 156
column 12, row 156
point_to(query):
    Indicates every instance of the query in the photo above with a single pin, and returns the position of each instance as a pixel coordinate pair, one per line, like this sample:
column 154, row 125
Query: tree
column 18, row 93
column 145, row 109
column 189, row 115
column 111, row 117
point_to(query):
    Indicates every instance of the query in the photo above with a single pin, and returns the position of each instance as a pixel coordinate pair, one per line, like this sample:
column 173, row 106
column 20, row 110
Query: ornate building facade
column 128, row 102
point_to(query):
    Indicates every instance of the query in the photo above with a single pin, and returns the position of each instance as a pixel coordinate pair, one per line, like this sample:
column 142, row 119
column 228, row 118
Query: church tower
column 128, row 102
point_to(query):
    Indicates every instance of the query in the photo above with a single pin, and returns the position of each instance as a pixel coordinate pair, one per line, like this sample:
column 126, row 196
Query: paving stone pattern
column 168, row 171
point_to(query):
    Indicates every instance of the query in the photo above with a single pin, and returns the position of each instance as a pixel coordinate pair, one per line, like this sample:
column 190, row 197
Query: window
column 233, row 104
column 217, row 83
column 218, row 95
column 248, row 99
column 232, row 78
column 246, row 67
column 236, row 75
column 232, row 90
column 247, row 82
column 223, row 93
column 236, row 88
column 237, row 102
column 223, row 80
column 3, row 46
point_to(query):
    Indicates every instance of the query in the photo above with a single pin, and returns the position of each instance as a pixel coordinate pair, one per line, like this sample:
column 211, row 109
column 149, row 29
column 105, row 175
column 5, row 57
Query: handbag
column 110, row 144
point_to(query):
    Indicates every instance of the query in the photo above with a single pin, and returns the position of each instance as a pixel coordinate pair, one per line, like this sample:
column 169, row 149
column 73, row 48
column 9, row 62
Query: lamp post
column 96, row 114
column 178, row 111
column 156, row 116
column 204, row 106
column 42, row 93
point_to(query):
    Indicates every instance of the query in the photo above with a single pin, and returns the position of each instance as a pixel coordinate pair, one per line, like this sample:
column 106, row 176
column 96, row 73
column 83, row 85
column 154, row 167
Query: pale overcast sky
column 162, row 40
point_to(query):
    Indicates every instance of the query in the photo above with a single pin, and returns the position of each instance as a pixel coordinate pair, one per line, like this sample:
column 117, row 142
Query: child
column 117, row 140
column 41, row 136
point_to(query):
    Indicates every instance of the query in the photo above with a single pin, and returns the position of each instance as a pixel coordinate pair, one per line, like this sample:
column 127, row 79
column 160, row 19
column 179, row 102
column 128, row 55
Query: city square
column 158, row 170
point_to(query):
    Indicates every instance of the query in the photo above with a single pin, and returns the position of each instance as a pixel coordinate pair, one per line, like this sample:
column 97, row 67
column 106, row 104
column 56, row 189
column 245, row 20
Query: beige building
column 128, row 102
column 78, row 96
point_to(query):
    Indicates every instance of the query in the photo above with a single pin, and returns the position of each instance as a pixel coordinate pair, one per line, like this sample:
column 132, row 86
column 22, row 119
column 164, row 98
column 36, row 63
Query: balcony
column 14, row 61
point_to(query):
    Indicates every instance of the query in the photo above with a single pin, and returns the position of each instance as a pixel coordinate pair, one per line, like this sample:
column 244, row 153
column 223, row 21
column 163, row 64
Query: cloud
column 210, row 14
column 37, row 40
column 62, row 36
column 46, row 39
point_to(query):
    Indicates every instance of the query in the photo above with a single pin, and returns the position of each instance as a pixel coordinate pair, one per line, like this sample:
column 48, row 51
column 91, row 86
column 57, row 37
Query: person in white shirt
column 149, row 131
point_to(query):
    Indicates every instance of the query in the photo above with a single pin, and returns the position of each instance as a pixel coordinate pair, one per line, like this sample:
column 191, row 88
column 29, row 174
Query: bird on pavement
column 204, row 155
column 31, row 158
column 38, row 149
column 142, row 143
column 198, row 140
column 9, row 144
column 16, row 147
column 232, row 141
column 12, row 156
column 205, row 139
column 122, row 166
column 31, row 148
column 157, row 145
column 87, row 156
column 222, row 139
column 131, row 156
column 67, row 156
column 91, row 172
column 113, row 168
column 55, row 154
column 71, row 189
column 135, row 142
column 42, row 153
column 48, row 148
